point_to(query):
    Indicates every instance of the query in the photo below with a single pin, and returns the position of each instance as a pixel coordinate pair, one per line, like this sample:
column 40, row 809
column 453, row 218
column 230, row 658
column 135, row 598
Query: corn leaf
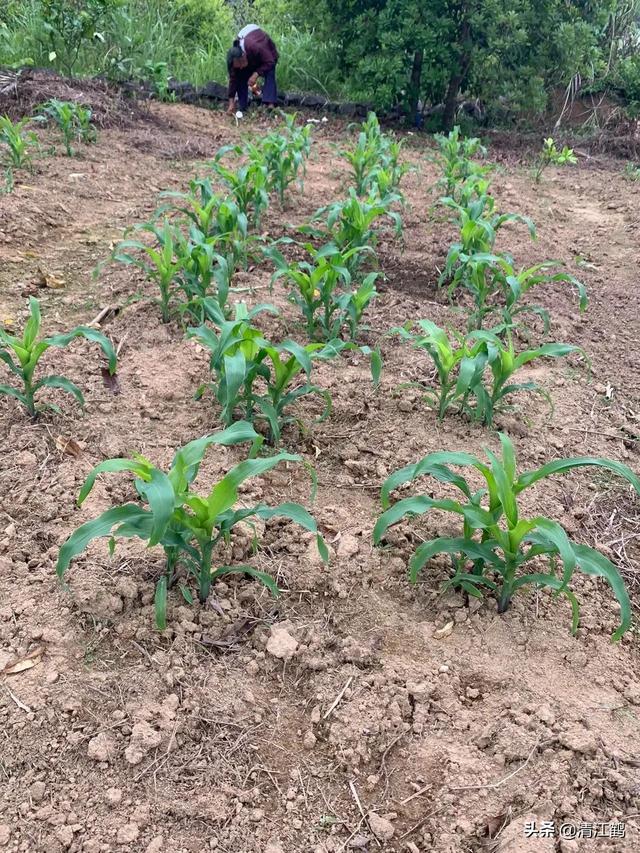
column 62, row 383
column 94, row 529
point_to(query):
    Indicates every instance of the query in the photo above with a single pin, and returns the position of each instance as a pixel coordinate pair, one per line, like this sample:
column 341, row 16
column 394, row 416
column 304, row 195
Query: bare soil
column 120, row 738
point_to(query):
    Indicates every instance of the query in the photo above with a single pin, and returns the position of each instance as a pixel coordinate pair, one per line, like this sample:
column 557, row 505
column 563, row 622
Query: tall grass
column 139, row 34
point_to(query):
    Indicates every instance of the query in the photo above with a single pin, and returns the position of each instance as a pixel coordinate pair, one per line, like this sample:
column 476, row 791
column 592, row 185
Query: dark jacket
column 262, row 55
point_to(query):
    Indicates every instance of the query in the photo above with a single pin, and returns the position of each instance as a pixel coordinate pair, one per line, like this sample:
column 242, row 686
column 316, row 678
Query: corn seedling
column 479, row 223
column 504, row 362
column 498, row 550
column 18, row 141
column 72, row 119
column 186, row 525
column 461, row 368
column 354, row 224
column 159, row 263
column 205, row 279
column 247, row 184
column 321, row 289
column 375, row 160
column 515, row 284
column 21, row 355
column 454, row 158
column 215, row 217
column 551, row 155
column 257, row 380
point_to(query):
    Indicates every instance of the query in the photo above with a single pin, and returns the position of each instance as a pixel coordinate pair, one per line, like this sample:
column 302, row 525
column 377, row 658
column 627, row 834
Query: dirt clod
column 382, row 828
column 281, row 644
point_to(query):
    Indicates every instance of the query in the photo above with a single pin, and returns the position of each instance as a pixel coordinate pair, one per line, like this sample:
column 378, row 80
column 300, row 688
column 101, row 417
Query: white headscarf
column 244, row 32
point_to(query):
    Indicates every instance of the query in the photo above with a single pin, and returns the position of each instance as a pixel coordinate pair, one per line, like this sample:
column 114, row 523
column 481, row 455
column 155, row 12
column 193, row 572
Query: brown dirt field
column 197, row 739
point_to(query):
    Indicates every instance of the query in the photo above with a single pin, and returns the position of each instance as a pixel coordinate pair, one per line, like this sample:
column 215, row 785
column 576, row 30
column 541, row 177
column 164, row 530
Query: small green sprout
column 72, row 119
column 22, row 354
column 552, row 156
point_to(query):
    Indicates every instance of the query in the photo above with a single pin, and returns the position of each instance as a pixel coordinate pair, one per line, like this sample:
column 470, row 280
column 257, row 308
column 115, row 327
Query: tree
column 391, row 52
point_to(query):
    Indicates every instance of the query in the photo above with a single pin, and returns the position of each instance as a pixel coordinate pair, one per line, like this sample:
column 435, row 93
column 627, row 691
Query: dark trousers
column 269, row 89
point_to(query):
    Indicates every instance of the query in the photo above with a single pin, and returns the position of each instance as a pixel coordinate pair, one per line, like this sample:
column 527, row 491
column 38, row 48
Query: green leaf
column 32, row 326
column 263, row 577
column 594, row 563
column 556, row 534
column 13, row 392
column 62, row 383
column 160, row 603
column 6, row 357
column 411, row 507
column 186, row 462
column 94, row 529
column 298, row 514
column 91, row 335
column 160, row 496
column 558, row 585
column 459, row 545
column 433, row 465
column 111, row 466
column 225, row 493
column 560, row 465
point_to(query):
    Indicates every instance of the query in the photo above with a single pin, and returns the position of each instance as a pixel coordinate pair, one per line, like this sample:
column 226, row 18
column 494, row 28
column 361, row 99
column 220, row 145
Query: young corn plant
column 504, row 362
column 22, row 355
column 159, row 262
column 375, row 160
column 247, row 185
column 497, row 549
column 551, row 155
column 514, row 285
column 282, row 163
column 479, row 223
column 354, row 224
column 216, row 217
column 187, row 525
column 18, row 142
column 72, row 120
column 257, row 380
column 204, row 277
column 461, row 369
column 454, row 158
column 322, row 290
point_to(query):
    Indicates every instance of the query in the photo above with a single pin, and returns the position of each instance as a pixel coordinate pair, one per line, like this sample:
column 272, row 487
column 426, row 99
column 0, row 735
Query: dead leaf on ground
column 68, row 445
column 47, row 279
column 443, row 632
column 27, row 662
column 110, row 381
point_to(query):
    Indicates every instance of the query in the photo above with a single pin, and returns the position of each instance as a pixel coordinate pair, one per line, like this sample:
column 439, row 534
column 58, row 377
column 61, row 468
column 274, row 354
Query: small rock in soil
column 348, row 546
column 37, row 791
column 309, row 740
column 281, row 644
column 113, row 796
column 64, row 834
column 5, row 834
column 382, row 828
column 101, row 748
column 128, row 833
column 579, row 739
column 274, row 846
column 144, row 738
column 156, row 845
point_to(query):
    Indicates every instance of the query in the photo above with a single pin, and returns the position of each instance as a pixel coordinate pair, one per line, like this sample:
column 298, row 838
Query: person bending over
column 253, row 55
